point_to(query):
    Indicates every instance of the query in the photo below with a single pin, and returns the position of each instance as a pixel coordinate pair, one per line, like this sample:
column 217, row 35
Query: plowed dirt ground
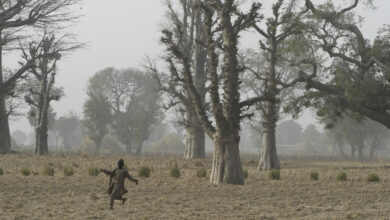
column 294, row 196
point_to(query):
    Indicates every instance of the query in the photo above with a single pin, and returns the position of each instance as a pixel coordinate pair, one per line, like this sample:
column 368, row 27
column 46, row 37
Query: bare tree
column 274, row 76
column 223, row 24
column 189, row 20
column 359, row 72
column 15, row 17
column 49, row 50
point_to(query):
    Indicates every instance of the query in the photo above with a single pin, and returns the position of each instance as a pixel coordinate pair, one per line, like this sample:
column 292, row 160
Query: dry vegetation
column 294, row 196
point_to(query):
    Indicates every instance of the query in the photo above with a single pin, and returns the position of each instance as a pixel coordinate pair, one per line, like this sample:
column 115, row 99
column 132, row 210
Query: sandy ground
column 295, row 196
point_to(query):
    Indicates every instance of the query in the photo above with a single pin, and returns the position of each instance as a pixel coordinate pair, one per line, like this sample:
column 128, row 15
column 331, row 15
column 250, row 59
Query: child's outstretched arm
column 128, row 176
column 107, row 172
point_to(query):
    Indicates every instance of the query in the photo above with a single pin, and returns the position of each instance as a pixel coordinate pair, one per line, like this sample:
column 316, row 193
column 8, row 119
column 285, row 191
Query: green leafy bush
column 372, row 177
column 342, row 176
column 314, row 175
column 93, row 171
column 274, row 174
column 68, row 171
column 245, row 173
column 202, row 172
column 144, row 171
column 174, row 172
column 25, row 172
column 48, row 171
column 1, row 171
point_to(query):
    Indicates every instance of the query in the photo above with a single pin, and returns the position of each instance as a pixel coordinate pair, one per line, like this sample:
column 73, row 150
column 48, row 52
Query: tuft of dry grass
column 174, row 172
column 342, row 176
column 274, row 174
column 48, row 171
column 201, row 173
column 25, row 172
column 314, row 175
column 68, row 171
column 144, row 171
column 372, row 177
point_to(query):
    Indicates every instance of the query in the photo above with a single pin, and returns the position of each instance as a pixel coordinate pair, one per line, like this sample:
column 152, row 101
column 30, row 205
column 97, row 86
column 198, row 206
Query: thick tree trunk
column 269, row 156
column 139, row 148
column 128, row 148
column 353, row 151
column 195, row 139
column 195, row 135
column 41, row 131
column 341, row 149
column 360, row 151
column 5, row 136
column 226, row 161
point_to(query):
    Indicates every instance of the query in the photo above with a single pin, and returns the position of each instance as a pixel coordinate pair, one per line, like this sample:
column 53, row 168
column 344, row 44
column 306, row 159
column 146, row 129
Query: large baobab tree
column 16, row 16
column 190, row 19
column 272, row 73
column 49, row 50
column 358, row 74
column 223, row 24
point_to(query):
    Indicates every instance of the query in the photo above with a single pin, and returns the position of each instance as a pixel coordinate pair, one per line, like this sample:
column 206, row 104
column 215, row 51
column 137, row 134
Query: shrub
column 274, row 174
column 314, row 175
column 93, row 171
column 25, row 172
column 68, row 171
column 245, row 173
column 144, row 171
column 202, row 172
column 1, row 172
column 342, row 176
column 372, row 177
column 48, row 171
column 174, row 172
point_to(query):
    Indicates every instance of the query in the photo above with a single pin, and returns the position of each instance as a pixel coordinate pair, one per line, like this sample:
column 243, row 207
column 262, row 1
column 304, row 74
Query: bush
column 174, row 172
column 48, row 171
column 342, row 176
column 1, row 172
column 202, row 172
column 274, row 174
column 68, row 171
column 144, row 171
column 314, row 175
column 372, row 177
column 245, row 173
column 25, row 172
column 93, row 171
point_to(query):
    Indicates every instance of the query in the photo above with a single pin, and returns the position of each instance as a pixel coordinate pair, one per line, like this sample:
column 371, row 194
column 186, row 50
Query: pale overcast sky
column 120, row 33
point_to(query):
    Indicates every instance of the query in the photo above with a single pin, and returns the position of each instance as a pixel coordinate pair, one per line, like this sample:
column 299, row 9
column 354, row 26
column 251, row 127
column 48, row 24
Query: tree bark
column 5, row 136
column 128, row 148
column 139, row 148
column 195, row 138
column 226, row 161
column 269, row 157
column 360, row 148
column 353, row 151
column 341, row 149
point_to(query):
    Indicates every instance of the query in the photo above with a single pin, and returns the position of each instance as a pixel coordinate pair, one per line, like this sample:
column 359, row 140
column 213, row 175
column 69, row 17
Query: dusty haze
column 121, row 33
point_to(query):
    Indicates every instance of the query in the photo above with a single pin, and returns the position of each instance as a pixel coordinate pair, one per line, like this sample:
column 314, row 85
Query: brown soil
column 295, row 196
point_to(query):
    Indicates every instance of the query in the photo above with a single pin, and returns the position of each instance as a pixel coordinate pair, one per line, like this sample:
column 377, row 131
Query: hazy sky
column 120, row 33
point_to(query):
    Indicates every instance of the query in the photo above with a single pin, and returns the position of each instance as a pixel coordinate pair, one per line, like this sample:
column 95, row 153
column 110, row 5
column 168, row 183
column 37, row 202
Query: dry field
column 295, row 196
